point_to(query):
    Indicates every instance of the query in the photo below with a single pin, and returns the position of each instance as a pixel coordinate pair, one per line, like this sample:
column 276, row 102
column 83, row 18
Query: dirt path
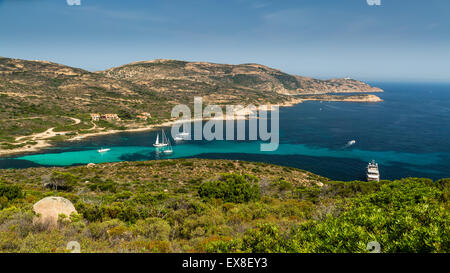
column 76, row 121
column 48, row 133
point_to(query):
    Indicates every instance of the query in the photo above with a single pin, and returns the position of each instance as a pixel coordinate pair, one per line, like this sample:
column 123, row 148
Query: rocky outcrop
column 49, row 209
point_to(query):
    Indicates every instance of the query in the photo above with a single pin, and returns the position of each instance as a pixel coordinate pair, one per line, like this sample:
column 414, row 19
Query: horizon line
column 320, row 77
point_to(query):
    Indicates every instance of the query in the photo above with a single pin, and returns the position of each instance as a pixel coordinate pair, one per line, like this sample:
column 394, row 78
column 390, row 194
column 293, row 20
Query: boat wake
column 349, row 144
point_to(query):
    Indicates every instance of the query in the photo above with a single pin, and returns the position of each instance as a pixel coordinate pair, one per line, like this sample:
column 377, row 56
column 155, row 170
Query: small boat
column 103, row 150
column 164, row 142
column 178, row 138
column 168, row 150
column 349, row 144
column 182, row 136
column 373, row 174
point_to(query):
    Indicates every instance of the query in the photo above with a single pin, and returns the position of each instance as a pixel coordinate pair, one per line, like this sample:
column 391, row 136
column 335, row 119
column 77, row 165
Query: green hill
column 193, row 205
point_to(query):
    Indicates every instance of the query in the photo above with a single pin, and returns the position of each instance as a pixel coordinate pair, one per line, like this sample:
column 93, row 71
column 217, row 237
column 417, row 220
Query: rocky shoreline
column 345, row 98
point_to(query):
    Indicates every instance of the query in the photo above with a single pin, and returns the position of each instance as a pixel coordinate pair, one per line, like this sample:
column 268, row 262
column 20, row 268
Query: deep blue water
column 408, row 134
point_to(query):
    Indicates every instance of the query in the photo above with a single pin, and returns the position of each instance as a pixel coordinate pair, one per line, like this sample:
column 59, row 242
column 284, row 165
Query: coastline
column 44, row 143
column 370, row 98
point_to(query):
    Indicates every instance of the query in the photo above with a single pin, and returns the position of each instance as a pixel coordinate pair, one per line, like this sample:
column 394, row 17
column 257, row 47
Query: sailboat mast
column 165, row 140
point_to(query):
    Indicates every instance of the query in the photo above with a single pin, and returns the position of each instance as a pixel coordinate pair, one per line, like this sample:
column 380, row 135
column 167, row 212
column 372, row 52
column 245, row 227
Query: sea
column 408, row 135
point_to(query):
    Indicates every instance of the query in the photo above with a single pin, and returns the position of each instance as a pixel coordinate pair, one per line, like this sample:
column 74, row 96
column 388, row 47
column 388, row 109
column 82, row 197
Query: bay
column 408, row 134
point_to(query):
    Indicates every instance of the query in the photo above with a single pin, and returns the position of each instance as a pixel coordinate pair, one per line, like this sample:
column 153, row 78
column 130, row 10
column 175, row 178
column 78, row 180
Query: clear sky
column 399, row 40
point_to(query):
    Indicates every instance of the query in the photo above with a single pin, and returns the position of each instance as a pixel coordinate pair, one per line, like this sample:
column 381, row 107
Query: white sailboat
column 103, row 150
column 169, row 149
column 164, row 142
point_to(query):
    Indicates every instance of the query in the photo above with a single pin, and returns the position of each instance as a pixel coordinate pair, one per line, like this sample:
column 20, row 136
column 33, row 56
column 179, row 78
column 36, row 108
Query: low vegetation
column 193, row 205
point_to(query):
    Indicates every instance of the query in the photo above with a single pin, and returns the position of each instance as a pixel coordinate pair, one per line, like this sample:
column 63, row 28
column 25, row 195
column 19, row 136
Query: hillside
column 37, row 95
column 41, row 102
column 224, row 83
column 194, row 205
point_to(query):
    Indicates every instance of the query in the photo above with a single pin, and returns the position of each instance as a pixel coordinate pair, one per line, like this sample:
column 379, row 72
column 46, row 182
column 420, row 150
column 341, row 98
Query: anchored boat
column 168, row 150
column 182, row 136
column 373, row 174
column 178, row 138
column 103, row 150
column 164, row 141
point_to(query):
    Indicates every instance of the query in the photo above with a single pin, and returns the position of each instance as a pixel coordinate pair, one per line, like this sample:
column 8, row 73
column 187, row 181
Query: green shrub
column 220, row 244
column 62, row 181
column 310, row 193
column 232, row 188
column 103, row 186
column 159, row 246
column 7, row 213
column 10, row 192
column 90, row 212
column 284, row 185
column 112, row 211
column 403, row 216
column 129, row 214
column 18, row 221
column 3, row 202
column 152, row 228
column 99, row 230
column 265, row 238
column 202, row 225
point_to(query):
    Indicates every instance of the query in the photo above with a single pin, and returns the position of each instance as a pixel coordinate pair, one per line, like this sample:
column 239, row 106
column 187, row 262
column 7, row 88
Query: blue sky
column 399, row 40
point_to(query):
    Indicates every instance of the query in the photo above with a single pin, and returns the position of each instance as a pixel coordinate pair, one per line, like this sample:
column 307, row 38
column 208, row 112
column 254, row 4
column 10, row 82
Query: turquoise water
column 190, row 150
column 408, row 134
